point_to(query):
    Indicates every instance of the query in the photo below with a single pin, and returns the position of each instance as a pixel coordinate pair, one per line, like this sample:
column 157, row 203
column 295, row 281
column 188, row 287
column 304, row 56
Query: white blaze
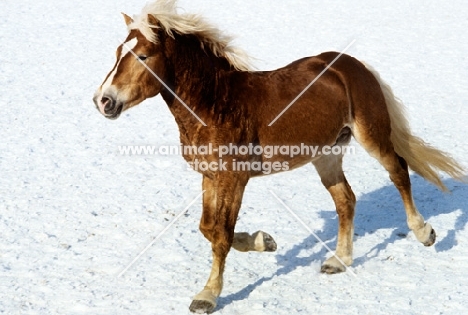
column 125, row 50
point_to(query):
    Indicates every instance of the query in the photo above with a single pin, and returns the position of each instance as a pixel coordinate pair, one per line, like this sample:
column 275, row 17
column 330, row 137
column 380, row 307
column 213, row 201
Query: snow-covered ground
column 74, row 212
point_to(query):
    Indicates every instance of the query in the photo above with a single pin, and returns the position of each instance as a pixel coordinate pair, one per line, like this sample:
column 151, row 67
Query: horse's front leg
column 221, row 203
column 257, row 242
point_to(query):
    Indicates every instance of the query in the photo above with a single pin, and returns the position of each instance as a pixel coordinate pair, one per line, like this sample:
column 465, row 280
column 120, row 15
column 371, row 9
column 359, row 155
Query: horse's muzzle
column 108, row 106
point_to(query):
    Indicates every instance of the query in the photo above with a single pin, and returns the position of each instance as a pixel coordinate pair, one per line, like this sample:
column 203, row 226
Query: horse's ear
column 152, row 21
column 128, row 20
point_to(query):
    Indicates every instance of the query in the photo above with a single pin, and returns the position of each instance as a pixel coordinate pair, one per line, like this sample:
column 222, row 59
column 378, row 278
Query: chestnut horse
column 216, row 99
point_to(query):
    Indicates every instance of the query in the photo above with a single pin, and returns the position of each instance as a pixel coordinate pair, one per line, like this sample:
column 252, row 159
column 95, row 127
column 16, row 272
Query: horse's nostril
column 105, row 101
column 108, row 104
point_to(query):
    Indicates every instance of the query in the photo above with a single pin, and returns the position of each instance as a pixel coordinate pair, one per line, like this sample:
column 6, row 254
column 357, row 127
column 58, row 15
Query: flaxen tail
column 421, row 157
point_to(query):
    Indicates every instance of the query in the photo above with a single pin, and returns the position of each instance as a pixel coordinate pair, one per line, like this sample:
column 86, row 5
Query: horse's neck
column 193, row 74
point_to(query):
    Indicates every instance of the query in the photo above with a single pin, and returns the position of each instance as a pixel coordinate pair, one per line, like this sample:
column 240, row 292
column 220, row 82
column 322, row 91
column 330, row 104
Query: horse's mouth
column 115, row 113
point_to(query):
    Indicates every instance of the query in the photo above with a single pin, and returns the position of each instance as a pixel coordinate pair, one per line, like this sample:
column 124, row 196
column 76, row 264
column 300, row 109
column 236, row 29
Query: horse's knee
column 219, row 238
column 207, row 231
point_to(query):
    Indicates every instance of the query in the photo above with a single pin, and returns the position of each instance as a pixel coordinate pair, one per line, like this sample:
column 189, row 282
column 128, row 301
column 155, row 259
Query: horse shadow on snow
column 380, row 209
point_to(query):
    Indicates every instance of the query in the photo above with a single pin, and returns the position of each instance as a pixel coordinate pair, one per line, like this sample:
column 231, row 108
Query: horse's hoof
column 431, row 239
column 332, row 265
column 331, row 269
column 269, row 243
column 201, row 307
column 263, row 242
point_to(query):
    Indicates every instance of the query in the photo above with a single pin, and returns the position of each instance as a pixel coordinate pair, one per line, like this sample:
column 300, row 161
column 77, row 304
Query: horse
column 218, row 100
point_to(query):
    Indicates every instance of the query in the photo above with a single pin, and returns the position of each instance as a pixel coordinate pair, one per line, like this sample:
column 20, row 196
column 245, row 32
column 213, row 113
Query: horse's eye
column 142, row 57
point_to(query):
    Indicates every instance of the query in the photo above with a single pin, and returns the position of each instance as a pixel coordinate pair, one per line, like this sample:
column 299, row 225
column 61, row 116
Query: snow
column 74, row 212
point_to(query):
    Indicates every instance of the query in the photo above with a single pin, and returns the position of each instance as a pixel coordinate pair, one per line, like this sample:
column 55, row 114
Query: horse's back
column 315, row 117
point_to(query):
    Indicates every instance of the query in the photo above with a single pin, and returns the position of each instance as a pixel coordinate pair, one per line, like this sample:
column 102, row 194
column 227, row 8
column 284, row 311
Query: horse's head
column 130, row 81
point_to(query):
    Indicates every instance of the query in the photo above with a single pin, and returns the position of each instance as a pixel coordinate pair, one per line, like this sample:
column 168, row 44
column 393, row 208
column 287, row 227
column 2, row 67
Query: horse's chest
column 200, row 155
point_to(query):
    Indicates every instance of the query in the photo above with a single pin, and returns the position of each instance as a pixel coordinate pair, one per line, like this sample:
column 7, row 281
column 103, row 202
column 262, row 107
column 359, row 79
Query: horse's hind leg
column 331, row 173
column 382, row 149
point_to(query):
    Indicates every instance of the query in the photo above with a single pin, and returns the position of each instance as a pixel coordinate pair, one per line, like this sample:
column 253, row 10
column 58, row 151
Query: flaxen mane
column 165, row 12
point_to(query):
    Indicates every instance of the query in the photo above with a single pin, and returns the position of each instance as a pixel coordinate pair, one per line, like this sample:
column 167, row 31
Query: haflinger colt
column 217, row 99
